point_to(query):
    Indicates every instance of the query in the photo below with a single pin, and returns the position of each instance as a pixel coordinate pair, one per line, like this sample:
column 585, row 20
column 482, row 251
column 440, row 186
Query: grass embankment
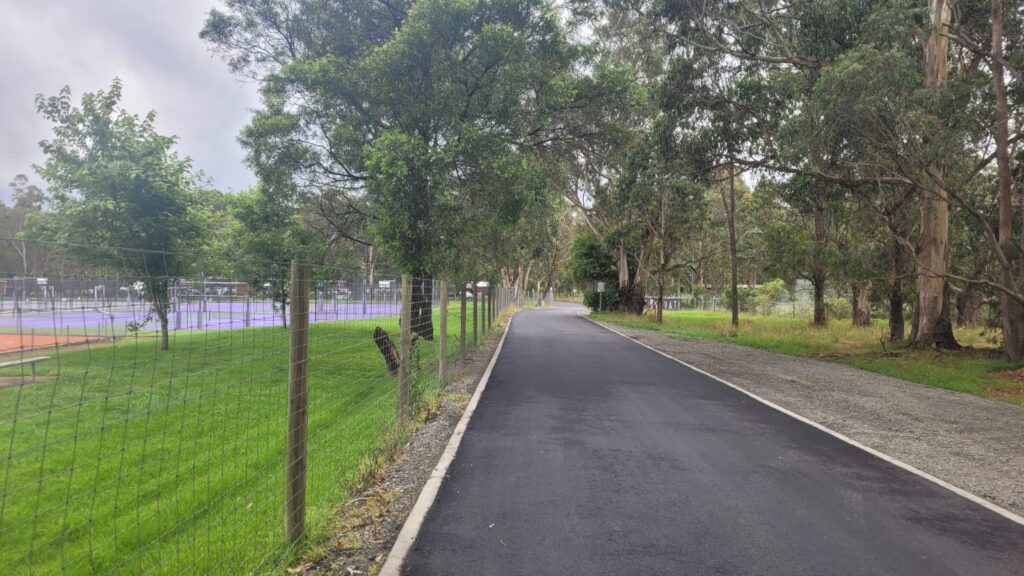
column 139, row 461
column 970, row 371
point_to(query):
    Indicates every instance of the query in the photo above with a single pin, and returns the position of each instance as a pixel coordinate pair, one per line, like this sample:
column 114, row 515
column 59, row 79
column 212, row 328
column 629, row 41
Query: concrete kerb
column 958, row 491
column 411, row 529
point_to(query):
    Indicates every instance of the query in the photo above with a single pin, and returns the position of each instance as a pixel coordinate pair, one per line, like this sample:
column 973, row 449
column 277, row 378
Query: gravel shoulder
column 973, row 443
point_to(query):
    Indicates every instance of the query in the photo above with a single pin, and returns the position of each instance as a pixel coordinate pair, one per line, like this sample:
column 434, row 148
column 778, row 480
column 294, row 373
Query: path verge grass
column 971, row 371
column 139, row 461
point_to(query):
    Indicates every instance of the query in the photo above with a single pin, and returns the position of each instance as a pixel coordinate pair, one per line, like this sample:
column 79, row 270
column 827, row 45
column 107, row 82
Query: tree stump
column 387, row 349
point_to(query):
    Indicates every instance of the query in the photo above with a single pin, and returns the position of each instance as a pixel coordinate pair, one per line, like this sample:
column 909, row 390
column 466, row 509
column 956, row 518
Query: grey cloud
column 153, row 46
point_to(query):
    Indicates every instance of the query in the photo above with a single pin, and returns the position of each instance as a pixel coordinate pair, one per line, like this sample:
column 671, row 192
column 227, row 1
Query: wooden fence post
column 298, row 376
column 442, row 347
column 462, row 325
column 475, row 315
column 405, row 354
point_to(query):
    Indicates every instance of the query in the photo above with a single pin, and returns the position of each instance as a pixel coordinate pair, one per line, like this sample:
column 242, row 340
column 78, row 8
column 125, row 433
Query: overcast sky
column 153, row 46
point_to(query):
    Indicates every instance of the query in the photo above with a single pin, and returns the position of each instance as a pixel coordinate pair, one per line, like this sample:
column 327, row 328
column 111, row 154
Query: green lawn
column 135, row 460
column 968, row 371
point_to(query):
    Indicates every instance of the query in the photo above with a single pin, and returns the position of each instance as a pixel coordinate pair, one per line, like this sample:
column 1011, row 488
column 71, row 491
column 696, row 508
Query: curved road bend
column 591, row 455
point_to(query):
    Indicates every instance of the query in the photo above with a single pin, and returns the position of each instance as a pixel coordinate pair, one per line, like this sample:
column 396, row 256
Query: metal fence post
column 442, row 347
column 177, row 313
column 298, row 375
column 405, row 354
column 475, row 314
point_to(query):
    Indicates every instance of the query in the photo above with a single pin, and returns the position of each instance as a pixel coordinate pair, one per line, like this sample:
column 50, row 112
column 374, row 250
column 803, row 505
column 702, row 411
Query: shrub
column 746, row 296
column 768, row 294
column 609, row 301
column 839, row 308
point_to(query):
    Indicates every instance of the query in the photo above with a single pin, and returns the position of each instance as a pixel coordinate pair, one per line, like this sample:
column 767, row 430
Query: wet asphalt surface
column 591, row 455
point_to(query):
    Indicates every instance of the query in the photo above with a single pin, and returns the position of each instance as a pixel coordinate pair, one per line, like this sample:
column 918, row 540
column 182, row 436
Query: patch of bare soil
column 1005, row 392
column 14, row 381
column 1013, row 375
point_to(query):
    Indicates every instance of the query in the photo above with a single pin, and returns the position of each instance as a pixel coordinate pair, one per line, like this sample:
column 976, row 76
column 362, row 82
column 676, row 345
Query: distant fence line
column 222, row 453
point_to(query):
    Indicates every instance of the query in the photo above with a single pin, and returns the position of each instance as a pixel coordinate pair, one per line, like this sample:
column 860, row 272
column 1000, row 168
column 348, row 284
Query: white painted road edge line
column 413, row 523
column 958, row 491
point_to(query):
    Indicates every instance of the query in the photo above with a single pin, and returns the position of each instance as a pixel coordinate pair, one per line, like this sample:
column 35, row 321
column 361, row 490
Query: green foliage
column 23, row 219
column 120, row 195
column 590, row 260
column 839, row 308
column 971, row 371
column 270, row 235
column 769, row 293
column 435, row 110
column 608, row 302
column 115, row 181
column 746, row 295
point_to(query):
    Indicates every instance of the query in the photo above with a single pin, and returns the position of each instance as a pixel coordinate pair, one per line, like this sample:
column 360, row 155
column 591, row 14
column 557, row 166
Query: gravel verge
column 366, row 527
column 974, row 443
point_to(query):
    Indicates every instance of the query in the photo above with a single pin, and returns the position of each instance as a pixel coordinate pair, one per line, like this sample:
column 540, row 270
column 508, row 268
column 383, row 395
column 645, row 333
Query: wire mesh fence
column 121, row 457
column 795, row 306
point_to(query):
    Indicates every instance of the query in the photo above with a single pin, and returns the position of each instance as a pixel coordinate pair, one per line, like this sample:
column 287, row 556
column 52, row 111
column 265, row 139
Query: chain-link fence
column 167, row 424
column 796, row 306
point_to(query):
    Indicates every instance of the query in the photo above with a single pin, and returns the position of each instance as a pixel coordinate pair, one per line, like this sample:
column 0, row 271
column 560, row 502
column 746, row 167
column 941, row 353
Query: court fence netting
column 159, row 423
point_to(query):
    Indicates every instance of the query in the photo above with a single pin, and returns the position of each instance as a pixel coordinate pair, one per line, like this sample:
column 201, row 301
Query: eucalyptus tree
column 269, row 234
column 667, row 204
column 596, row 165
column 800, row 51
column 27, row 202
column 431, row 111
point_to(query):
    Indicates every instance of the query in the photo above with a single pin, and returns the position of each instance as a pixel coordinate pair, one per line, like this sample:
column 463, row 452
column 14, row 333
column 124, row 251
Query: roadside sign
column 600, row 287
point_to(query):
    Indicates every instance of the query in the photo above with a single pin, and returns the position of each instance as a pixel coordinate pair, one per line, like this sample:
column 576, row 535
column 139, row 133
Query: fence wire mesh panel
column 118, row 456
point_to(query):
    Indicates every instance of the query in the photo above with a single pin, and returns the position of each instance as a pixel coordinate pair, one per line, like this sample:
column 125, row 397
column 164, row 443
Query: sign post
column 600, row 296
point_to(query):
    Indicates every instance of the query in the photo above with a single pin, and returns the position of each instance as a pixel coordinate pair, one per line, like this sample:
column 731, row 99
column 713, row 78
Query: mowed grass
column 138, row 461
column 971, row 371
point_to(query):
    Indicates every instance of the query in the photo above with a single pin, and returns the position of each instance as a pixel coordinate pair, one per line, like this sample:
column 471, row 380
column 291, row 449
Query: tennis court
column 31, row 341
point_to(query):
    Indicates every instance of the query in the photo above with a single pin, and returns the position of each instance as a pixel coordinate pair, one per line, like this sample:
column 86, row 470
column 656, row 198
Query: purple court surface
column 100, row 318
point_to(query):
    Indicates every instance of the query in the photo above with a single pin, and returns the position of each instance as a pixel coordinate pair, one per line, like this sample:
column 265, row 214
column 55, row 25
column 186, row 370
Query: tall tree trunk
column 423, row 306
column 968, row 304
column 729, row 202
column 933, row 326
column 862, row 303
column 161, row 305
column 1012, row 310
column 661, row 262
column 819, row 275
column 934, row 329
column 371, row 266
column 897, row 328
column 525, row 283
column 165, row 337
column 622, row 263
column 549, row 281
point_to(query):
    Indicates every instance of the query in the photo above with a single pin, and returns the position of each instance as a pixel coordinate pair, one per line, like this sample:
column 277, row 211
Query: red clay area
column 16, row 342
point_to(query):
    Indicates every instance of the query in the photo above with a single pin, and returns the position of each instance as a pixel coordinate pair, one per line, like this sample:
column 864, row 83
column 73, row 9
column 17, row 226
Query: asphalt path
column 590, row 454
